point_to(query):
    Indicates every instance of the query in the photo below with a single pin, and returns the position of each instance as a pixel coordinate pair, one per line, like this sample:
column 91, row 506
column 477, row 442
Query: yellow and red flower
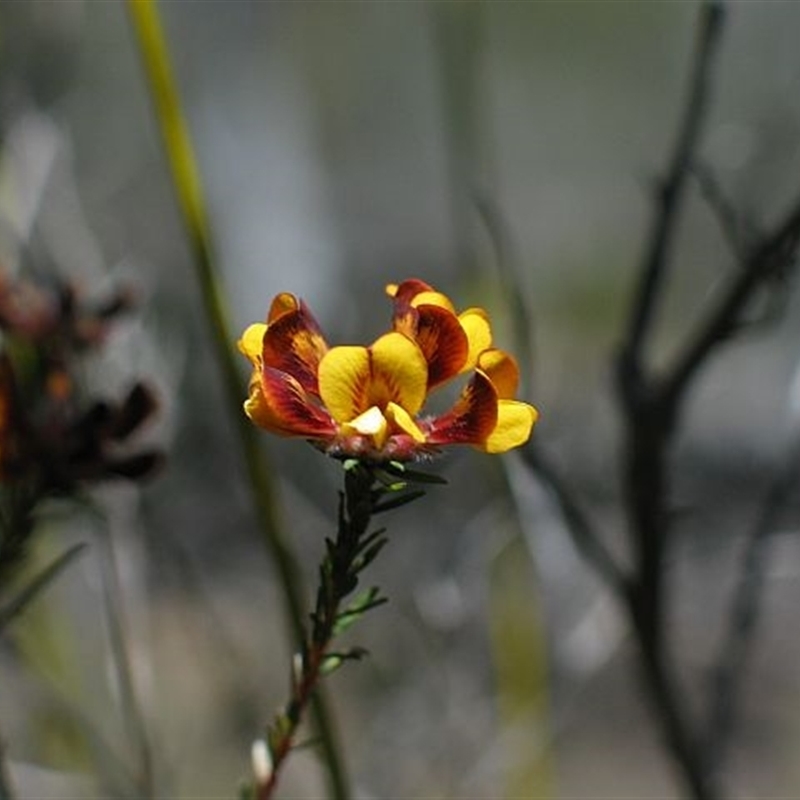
column 367, row 402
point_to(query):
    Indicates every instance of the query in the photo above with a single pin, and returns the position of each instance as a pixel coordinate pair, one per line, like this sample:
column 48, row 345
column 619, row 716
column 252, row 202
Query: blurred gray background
column 497, row 150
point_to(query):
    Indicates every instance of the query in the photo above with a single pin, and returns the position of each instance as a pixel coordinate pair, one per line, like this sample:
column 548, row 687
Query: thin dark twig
column 728, row 218
column 586, row 539
column 671, row 189
column 767, row 261
column 650, row 415
column 506, row 260
column 745, row 609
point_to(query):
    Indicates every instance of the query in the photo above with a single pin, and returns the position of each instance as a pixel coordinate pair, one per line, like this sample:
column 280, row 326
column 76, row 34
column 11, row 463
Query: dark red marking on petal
column 443, row 343
column 294, row 344
column 471, row 420
column 282, row 303
column 294, row 412
column 409, row 289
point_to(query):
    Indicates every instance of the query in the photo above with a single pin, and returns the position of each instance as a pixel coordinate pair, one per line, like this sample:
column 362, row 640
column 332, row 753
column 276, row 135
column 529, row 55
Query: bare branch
column 736, row 233
column 670, row 192
column 584, row 535
column 768, row 261
column 745, row 610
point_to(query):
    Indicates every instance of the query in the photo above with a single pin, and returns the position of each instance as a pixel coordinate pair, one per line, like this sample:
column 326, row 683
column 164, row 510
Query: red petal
column 284, row 407
column 282, row 304
column 406, row 291
column 443, row 342
column 294, row 344
column 472, row 419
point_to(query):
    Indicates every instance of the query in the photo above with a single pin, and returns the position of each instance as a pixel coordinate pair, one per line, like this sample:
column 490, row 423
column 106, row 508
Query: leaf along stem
column 346, row 556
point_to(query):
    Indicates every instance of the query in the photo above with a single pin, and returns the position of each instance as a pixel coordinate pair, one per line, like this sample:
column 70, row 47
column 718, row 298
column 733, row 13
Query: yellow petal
column 344, row 379
column 252, row 342
column 401, row 419
column 502, row 370
column 399, row 373
column 278, row 403
column 431, row 298
column 406, row 291
column 475, row 322
column 259, row 411
column 515, row 421
column 370, row 423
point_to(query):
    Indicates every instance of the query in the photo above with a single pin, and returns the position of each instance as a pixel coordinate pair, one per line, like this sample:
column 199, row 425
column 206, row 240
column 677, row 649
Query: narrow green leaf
column 330, row 665
column 368, row 556
column 389, row 483
column 351, row 654
column 346, row 621
column 333, row 661
column 425, row 477
column 399, row 500
column 414, row 475
column 362, row 600
column 367, row 540
column 357, row 608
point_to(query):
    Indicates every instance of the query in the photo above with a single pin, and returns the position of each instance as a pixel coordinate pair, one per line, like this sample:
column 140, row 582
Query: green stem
column 153, row 49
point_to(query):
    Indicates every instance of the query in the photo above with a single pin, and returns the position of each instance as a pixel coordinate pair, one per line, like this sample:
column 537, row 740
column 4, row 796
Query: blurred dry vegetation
column 506, row 153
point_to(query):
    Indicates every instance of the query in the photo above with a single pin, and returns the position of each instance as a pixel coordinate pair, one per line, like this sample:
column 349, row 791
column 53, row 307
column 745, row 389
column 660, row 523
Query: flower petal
column 399, row 373
column 515, row 421
column 502, row 370
column 441, row 338
column 433, row 298
column 278, row 403
column 282, row 304
column 344, row 376
column 404, row 292
column 401, row 419
column 472, row 419
column 293, row 343
column 370, row 423
column 475, row 322
column 252, row 342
